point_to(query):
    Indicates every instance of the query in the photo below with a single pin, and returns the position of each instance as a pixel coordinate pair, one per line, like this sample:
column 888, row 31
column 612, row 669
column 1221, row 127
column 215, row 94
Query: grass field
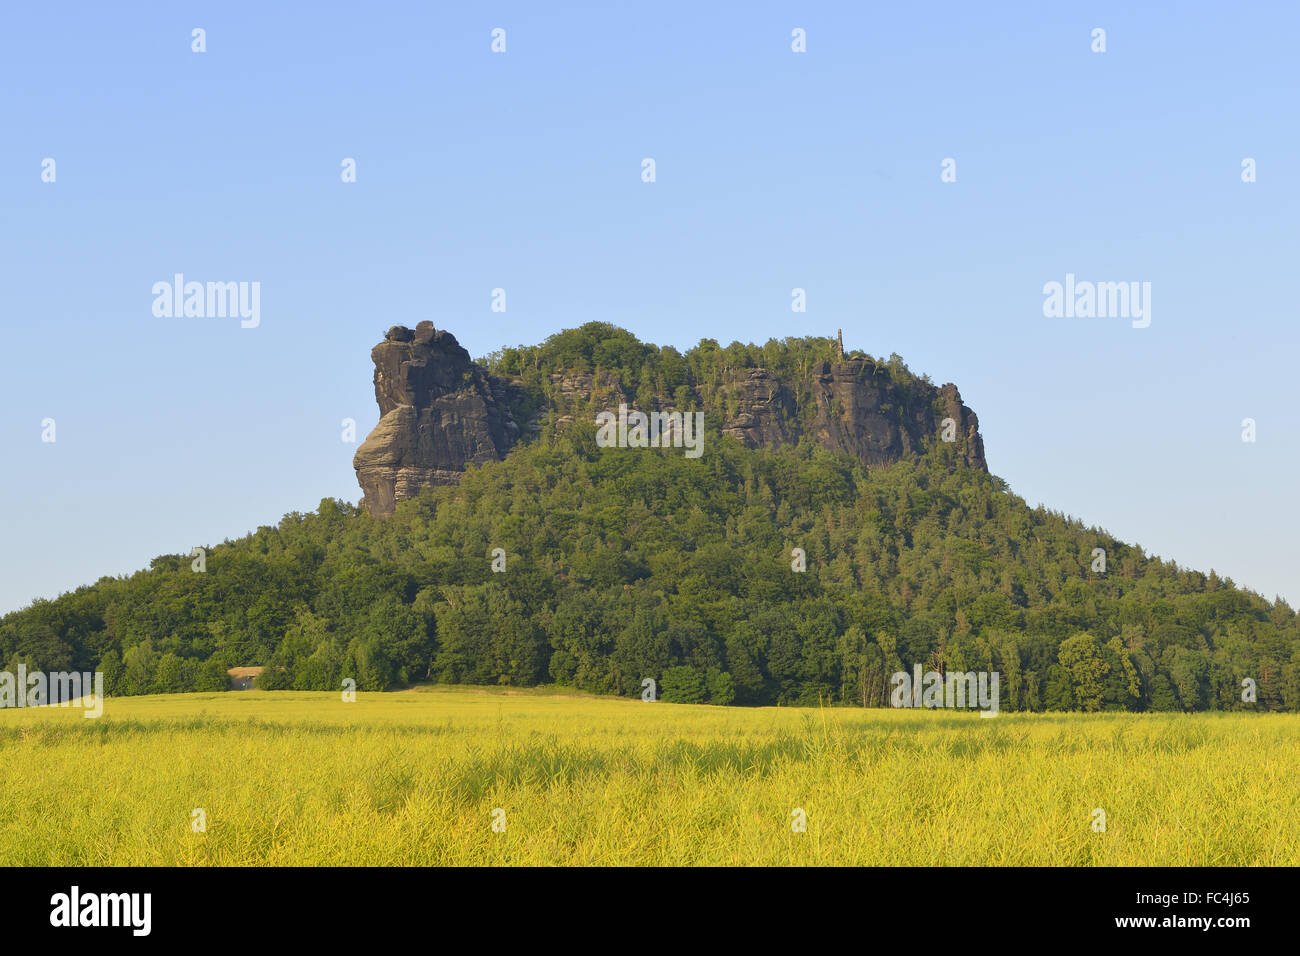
column 413, row 778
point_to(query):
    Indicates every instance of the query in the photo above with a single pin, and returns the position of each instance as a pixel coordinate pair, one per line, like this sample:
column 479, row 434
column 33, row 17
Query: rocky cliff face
column 441, row 412
column 858, row 409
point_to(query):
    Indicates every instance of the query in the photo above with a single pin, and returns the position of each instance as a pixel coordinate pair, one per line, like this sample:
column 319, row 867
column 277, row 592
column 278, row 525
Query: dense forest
column 622, row 564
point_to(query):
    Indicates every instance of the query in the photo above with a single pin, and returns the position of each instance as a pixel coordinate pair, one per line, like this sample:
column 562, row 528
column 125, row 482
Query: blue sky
column 522, row 171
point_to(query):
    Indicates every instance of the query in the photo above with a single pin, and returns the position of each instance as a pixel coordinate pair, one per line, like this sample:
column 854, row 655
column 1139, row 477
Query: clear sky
column 522, row 170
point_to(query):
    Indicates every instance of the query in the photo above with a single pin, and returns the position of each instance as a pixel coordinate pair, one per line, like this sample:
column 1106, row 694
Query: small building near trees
column 243, row 678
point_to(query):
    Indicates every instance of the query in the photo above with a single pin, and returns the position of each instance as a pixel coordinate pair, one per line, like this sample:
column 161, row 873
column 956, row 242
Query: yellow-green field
column 413, row 778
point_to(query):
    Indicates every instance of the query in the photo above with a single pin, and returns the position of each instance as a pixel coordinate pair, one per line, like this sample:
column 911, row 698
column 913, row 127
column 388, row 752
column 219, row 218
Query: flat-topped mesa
column 443, row 412
column 440, row 413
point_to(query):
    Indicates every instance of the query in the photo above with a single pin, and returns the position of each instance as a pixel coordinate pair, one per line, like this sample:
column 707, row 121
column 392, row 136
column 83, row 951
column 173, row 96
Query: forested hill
column 626, row 563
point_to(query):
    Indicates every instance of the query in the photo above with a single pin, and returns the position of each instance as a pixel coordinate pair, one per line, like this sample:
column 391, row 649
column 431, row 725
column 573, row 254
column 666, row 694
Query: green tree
column 211, row 676
column 321, row 670
column 138, row 665
column 1162, row 694
column 683, row 685
column 169, row 677
column 720, row 687
column 274, row 677
column 1081, row 657
column 1060, row 693
column 855, row 667
column 110, row 665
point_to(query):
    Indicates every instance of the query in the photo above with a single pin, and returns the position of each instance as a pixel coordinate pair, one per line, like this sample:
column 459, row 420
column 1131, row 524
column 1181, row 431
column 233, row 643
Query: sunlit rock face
column 440, row 413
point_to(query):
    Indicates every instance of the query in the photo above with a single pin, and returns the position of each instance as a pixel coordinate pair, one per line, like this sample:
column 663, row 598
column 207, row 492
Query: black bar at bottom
column 950, row 905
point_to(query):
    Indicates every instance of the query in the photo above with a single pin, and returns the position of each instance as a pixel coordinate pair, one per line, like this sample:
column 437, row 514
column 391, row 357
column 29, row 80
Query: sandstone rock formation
column 442, row 412
column 859, row 410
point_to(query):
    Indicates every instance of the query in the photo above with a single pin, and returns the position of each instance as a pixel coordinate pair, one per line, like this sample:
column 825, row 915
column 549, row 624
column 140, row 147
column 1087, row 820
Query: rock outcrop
column 442, row 412
column 860, row 410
